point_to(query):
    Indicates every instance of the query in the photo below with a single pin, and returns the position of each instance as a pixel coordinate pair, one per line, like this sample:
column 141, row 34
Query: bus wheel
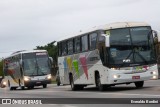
column 73, row 86
column 9, row 85
column 44, row 85
column 14, row 88
column 29, row 88
column 11, row 88
column 32, row 87
column 22, row 87
column 58, row 83
column 139, row 84
column 98, row 83
column 81, row 87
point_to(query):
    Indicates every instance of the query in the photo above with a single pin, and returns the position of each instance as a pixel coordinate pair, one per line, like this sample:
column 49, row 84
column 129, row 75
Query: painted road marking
column 62, row 105
column 132, row 94
column 50, row 91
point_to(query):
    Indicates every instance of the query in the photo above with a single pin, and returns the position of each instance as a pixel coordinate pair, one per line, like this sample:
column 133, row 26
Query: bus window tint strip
column 64, row 48
column 84, row 43
column 93, row 39
column 70, row 46
column 77, row 45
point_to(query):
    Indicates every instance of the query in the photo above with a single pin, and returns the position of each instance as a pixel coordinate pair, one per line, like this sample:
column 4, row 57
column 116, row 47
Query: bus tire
column 30, row 87
column 9, row 85
column 98, row 83
column 11, row 88
column 80, row 87
column 58, row 83
column 22, row 88
column 44, row 85
column 14, row 88
column 73, row 86
column 139, row 84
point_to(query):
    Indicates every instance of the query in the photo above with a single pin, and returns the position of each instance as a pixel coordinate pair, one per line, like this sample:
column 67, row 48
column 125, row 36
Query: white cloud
column 25, row 24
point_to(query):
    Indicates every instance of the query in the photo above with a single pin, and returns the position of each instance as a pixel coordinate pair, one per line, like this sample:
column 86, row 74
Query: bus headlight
column 153, row 72
column 114, row 68
column 116, row 76
column 4, row 83
column 49, row 76
column 27, row 78
column 154, row 77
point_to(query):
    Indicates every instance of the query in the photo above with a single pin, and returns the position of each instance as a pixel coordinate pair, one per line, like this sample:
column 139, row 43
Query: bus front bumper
column 36, row 83
column 118, row 78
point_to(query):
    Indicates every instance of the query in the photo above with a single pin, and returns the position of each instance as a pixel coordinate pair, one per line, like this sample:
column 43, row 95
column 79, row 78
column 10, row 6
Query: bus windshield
column 36, row 64
column 131, row 46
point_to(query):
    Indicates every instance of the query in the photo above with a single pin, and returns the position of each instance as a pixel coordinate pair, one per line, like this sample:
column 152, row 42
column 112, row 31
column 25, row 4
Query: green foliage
column 51, row 48
column 1, row 68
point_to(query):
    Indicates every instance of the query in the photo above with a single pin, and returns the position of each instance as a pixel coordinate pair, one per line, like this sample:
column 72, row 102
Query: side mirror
column 158, row 35
column 51, row 60
column 102, row 39
column 107, row 40
column 21, row 62
column 155, row 37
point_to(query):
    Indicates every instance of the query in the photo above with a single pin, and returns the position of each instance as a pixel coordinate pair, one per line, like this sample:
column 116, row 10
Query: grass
column 53, row 82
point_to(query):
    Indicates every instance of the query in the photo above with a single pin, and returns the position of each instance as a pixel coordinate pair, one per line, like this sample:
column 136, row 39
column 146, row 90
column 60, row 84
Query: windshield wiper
column 39, row 70
column 34, row 72
column 127, row 58
column 133, row 51
column 141, row 57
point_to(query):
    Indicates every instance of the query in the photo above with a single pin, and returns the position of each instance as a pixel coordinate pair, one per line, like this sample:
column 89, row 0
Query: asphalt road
column 151, row 89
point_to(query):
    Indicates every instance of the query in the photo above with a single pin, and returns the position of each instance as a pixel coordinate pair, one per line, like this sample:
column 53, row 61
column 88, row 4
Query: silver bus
column 27, row 69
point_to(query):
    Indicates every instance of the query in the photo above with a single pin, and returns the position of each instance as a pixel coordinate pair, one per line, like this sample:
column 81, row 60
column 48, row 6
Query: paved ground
column 151, row 90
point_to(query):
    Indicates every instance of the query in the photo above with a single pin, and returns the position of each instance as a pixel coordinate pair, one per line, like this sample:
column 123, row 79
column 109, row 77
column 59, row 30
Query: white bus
column 117, row 53
column 158, row 53
column 27, row 69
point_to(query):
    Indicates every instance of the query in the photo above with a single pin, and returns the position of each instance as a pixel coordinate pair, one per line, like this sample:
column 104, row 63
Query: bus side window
column 103, row 51
column 6, row 67
column 64, row 48
column 59, row 49
column 77, row 43
column 84, row 40
column 70, row 46
column 92, row 40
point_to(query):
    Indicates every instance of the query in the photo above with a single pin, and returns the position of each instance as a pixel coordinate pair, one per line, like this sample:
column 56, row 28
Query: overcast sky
column 25, row 24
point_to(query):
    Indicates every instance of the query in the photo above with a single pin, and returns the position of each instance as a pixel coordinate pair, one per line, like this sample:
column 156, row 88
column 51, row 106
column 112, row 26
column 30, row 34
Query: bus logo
column 126, row 60
column 6, row 101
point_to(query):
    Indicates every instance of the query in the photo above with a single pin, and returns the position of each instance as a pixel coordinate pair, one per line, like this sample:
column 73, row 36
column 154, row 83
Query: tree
column 51, row 48
column 52, row 51
column 1, row 68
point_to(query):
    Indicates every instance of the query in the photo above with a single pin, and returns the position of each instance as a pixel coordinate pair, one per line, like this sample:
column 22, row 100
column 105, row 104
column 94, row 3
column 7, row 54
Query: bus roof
column 109, row 26
column 25, row 51
column 123, row 25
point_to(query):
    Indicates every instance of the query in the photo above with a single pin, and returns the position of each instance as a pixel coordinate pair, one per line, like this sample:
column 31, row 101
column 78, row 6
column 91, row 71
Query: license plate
column 135, row 77
column 38, row 82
